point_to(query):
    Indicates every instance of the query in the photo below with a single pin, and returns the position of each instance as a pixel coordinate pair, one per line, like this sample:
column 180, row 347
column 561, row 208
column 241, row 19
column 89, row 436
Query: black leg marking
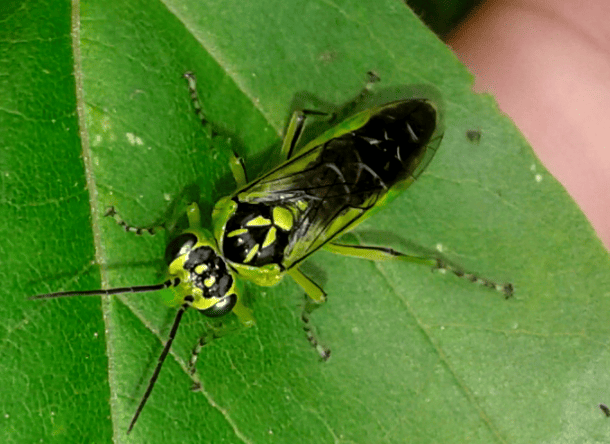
column 384, row 253
column 192, row 87
column 506, row 289
column 373, row 78
column 111, row 212
column 349, row 107
column 202, row 342
column 214, row 332
column 308, row 308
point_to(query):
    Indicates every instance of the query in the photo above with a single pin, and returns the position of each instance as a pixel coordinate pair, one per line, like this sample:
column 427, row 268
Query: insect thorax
column 257, row 234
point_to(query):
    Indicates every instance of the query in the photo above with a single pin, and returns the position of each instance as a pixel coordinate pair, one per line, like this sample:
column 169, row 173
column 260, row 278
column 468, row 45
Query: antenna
column 111, row 291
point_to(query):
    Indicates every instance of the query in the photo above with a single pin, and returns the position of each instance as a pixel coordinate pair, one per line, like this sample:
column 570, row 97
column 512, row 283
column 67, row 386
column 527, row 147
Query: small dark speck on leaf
column 474, row 136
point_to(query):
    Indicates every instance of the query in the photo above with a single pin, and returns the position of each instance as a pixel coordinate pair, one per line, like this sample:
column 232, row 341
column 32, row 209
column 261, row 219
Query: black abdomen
column 387, row 149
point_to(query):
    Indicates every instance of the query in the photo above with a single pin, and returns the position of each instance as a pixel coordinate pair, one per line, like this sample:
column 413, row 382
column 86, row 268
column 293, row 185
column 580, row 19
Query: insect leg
column 349, row 107
column 238, row 169
column 246, row 319
column 308, row 308
column 192, row 86
column 244, row 314
column 388, row 254
column 297, row 121
column 235, row 162
column 294, row 130
column 155, row 375
column 315, row 297
column 211, row 333
column 312, row 289
column 193, row 214
column 111, row 212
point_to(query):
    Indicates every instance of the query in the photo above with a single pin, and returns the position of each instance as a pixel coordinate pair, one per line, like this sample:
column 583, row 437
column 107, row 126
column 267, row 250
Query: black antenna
column 111, row 291
column 155, row 375
column 135, row 289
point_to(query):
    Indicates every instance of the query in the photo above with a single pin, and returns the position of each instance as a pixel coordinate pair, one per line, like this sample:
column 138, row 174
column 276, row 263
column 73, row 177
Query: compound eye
column 222, row 307
column 179, row 246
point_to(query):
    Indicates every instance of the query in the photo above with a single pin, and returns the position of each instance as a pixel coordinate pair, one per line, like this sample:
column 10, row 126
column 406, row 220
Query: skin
column 547, row 62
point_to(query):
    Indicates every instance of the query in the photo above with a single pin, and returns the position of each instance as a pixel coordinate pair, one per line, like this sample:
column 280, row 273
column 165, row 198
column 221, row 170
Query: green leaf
column 101, row 117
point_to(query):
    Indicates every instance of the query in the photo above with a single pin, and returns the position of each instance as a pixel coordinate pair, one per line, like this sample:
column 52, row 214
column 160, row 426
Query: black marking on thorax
column 237, row 247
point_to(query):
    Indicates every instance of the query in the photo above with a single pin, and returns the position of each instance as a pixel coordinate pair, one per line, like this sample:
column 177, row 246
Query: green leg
column 312, row 289
column 314, row 298
column 297, row 121
column 238, row 170
column 244, row 314
column 388, row 254
column 294, row 130
column 193, row 214
column 235, row 162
